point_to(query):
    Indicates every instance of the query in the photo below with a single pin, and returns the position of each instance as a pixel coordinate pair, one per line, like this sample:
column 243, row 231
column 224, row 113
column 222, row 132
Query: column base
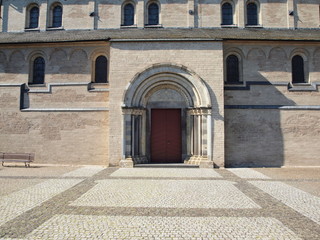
column 206, row 164
column 140, row 159
column 126, row 163
column 201, row 161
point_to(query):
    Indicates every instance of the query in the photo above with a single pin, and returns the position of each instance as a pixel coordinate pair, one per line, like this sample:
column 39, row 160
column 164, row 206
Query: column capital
column 199, row 111
column 133, row 111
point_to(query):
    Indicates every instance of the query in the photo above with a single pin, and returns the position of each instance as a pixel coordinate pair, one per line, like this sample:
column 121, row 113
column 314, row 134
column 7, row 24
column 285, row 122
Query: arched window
column 34, row 17
column 233, row 75
column 38, row 71
column 227, row 14
column 128, row 15
column 252, row 14
column 56, row 16
column 297, row 65
column 101, row 70
column 153, row 14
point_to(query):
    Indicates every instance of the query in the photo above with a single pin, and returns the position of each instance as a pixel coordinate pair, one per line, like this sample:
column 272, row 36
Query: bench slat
column 17, row 157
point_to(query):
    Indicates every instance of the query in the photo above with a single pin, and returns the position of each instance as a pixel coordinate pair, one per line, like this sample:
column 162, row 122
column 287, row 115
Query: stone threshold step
column 166, row 165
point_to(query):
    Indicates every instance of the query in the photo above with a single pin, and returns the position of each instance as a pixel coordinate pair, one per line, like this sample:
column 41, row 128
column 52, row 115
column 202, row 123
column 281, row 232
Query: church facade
column 230, row 83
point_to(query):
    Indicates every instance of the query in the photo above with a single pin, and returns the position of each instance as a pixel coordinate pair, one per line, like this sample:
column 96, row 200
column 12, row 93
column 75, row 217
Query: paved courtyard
column 92, row 202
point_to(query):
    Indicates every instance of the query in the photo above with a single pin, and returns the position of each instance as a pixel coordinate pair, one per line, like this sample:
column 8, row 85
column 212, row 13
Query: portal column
column 127, row 160
column 133, row 137
column 138, row 136
column 200, row 138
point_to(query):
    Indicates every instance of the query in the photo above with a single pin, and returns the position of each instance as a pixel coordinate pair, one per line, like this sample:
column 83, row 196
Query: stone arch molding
column 196, row 109
column 176, row 77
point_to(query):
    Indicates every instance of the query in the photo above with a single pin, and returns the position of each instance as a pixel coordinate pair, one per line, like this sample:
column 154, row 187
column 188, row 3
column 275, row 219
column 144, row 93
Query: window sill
column 37, row 85
column 128, row 26
column 229, row 26
column 301, row 87
column 254, row 26
column 234, row 83
column 32, row 29
column 99, row 84
column 153, row 26
column 98, row 87
column 54, row 28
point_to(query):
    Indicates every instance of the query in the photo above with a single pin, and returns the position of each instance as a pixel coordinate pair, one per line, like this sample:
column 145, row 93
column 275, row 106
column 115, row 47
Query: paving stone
column 247, row 173
column 111, row 203
column 35, row 171
column 19, row 202
column 303, row 202
column 14, row 184
column 141, row 227
column 165, row 193
column 87, row 171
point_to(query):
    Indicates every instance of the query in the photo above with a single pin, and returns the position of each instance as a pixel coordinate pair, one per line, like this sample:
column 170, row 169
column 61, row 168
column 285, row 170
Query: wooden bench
column 17, row 157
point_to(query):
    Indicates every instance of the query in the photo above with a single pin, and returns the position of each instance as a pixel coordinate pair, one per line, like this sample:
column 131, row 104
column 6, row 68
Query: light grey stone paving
column 146, row 227
column 166, row 173
column 16, row 184
column 304, row 203
column 87, row 171
column 247, row 173
column 17, row 203
column 165, row 194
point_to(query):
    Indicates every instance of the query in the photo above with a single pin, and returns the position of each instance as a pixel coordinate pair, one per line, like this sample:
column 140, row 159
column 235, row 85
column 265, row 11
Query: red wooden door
column 165, row 135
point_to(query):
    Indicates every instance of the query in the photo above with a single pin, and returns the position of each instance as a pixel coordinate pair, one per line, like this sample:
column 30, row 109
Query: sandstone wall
column 206, row 13
column 70, row 62
column 55, row 137
column 62, row 122
column 269, row 122
column 131, row 58
column 272, row 137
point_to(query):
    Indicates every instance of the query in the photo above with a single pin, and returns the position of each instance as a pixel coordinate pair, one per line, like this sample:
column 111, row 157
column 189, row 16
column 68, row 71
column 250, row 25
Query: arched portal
column 177, row 89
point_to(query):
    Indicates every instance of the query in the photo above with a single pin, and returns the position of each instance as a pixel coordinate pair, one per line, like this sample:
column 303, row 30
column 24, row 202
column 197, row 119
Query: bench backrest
column 22, row 156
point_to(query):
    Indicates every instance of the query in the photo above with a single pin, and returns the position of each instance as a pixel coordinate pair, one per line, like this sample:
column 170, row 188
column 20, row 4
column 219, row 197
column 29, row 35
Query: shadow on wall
column 259, row 131
column 253, row 131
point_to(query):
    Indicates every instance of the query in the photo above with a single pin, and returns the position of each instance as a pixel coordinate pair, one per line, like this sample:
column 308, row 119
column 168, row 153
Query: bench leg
column 2, row 164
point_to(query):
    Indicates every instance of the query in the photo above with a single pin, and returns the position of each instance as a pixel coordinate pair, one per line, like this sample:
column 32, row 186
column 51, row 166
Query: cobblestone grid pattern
column 140, row 227
column 300, row 201
column 19, row 202
column 154, row 203
column 87, row 171
column 165, row 194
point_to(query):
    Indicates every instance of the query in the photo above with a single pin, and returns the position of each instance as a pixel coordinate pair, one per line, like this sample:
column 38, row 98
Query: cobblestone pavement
column 91, row 202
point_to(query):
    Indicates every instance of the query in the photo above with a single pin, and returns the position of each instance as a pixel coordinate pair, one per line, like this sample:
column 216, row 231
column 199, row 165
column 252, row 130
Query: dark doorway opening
column 166, row 136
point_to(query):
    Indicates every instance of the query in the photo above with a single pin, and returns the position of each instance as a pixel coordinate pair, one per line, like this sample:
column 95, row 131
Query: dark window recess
column 128, row 15
column 57, row 16
column 233, row 69
column 227, row 14
column 252, row 14
column 153, row 14
column 297, row 69
column 38, row 71
column 101, row 70
column 34, row 17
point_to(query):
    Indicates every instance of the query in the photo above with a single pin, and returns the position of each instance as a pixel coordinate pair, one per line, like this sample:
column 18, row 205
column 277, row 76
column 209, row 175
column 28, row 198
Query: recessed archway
column 166, row 86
